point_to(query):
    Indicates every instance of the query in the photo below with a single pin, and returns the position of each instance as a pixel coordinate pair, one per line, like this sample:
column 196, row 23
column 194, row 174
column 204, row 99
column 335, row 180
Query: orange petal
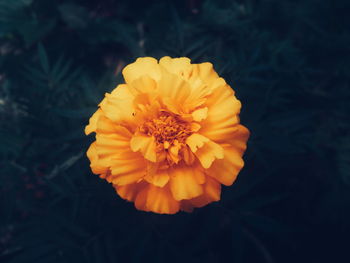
column 95, row 165
column 146, row 145
column 205, row 150
column 105, row 125
column 127, row 168
column 239, row 139
column 91, row 127
column 109, row 146
column 118, row 106
column 173, row 153
column 227, row 169
column 160, row 200
column 183, row 182
column 130, row 191
column 222, row 116
column 188, row 155
column 155, row 176
column 141, row 199
column 211, row 193
column 142, row 66
column 156, row 199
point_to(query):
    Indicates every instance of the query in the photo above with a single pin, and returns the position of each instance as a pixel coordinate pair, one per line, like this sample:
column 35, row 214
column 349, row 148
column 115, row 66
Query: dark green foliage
column 288, row 62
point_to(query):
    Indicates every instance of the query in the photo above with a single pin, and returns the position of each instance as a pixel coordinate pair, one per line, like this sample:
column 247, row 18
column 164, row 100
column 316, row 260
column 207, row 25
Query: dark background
column 288, row 62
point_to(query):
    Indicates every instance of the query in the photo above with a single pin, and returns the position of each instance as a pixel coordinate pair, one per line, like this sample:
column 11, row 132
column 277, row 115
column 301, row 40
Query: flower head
column 169, row 137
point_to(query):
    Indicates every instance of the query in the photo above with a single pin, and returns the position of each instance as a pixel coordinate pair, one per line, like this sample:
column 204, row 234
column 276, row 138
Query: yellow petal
column 118, row 106
column 204, row 149
column 106, row 126
column 209, row 153
column 196, row 141
column 183, row 183
column 91, row 127
column 200, row 114
column 205, row 71
column 175, row 65
column 173, row 153
column 142, row 66
column 173, row 90
column 199, row 92
column 143, row 84
column 146, row 145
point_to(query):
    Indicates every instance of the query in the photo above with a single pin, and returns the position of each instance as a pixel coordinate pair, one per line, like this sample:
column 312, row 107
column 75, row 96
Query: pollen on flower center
column 166, row 129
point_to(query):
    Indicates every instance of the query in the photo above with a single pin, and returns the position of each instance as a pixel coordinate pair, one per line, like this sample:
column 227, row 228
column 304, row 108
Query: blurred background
column 288, row 62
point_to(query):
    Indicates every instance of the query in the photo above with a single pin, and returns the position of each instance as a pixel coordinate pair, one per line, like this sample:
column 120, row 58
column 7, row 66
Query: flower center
column 167, row 128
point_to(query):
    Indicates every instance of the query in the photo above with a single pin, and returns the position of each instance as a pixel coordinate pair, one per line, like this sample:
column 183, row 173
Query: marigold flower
column 169, row 137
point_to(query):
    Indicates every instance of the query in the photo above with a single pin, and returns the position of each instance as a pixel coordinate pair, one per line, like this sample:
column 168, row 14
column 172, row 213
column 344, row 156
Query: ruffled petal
column 127, row 168
column 110, row 145
column 211, row 193
column 155, row 176
column 204, row 149
column 227, row 169
column 95, row 164
column 130, row 191
column 222, row 117
column 146, row 145
column 205, row 71
column 184, row 183
column 143, row 84
column 118, row 106
column 240, row 138
column 157, row 200
column 160, row 200
column 106, row 126
column 173, row 91
column 142, row 66
column 200, row 114
column 91, row 127
column 177, row 66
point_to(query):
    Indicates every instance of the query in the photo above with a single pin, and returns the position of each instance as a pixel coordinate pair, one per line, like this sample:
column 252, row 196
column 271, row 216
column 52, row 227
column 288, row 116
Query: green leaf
column 60, row 69
column 34, row 30
column 73, row 15
column 44, row 61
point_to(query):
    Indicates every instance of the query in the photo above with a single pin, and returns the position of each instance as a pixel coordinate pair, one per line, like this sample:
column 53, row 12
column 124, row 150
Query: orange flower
column 169, row 137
